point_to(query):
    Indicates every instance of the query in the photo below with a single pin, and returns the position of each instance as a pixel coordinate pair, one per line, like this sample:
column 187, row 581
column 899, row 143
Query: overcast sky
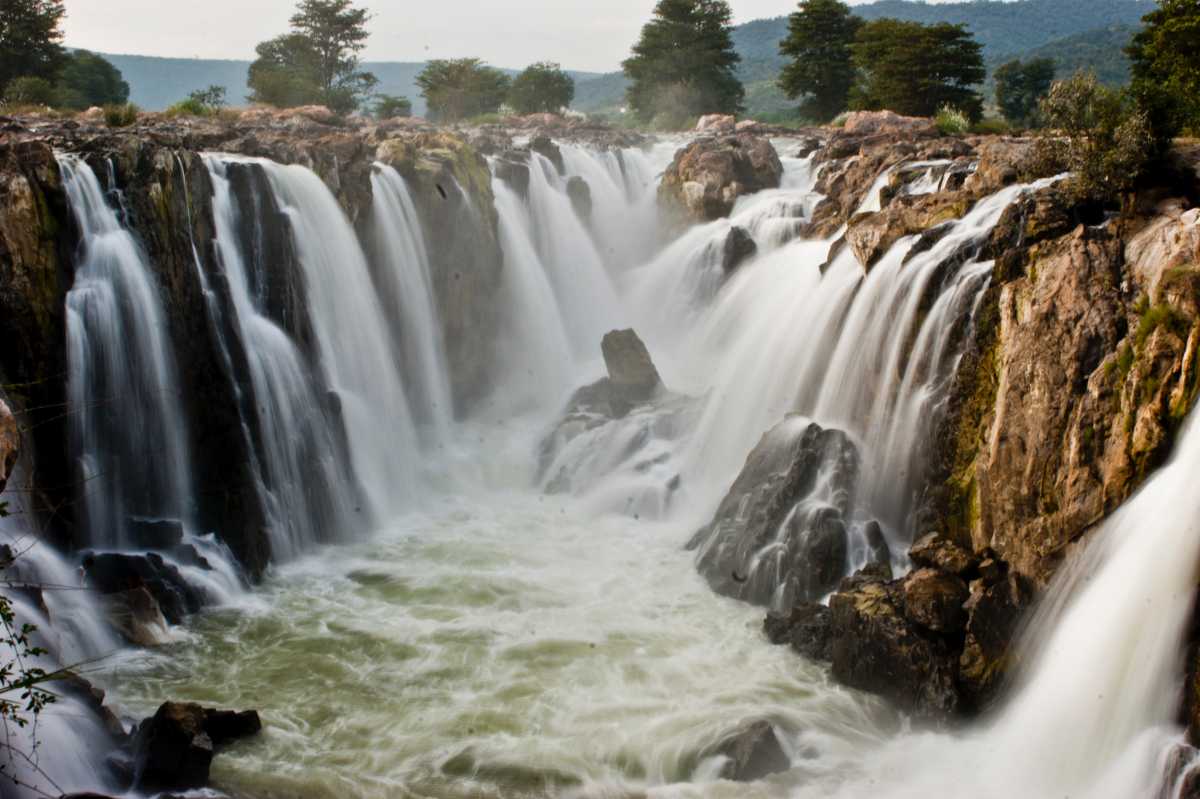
column 590, row 35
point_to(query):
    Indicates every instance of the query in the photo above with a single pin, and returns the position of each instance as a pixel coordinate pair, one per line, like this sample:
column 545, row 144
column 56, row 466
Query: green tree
column 201, row 103
column 683, row 64
column 388, row 106
column 820, row 64
column 30, row 91
column 318, row 61
column 1165, row 57
column 30, row 39
column 87, row 79
column 1020, row 86
column 541, row 88
column 462, row 88
column 917, row 69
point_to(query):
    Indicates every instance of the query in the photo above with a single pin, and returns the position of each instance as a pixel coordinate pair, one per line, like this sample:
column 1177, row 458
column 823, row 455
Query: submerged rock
column 580, row 194
column 779, row 536
column 751, row 753
column 708, row 175
column 173, row 750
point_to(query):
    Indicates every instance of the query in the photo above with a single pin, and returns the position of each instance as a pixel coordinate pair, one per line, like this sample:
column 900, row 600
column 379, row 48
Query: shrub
column 200, row 103
column 388, row 106
column 29, row 91
column 991, row 126
column 951, row 122
column 121, row 116
column 839, row 121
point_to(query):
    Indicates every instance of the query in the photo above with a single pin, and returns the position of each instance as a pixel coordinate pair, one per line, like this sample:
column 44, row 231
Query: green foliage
column 917, row 69
column 1157, row 316
column 820, row 36
column 1099, row 50
column 388, row 106
column 683, row 64
column 541, row 88
column 200, row 103
column 1098, row 134
column 951, row 122
column 1020, row 86
column 121, row 116
column 991, row 126
column 30, row 91
column 88, row 80
column 317, row 63
column 1165, row 59
column 457, row 89
column 30, row 39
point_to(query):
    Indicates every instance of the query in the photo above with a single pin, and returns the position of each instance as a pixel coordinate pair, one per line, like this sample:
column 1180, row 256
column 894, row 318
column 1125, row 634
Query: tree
column 1166, row 66
column 201, row 103
column 318, row 61
column 820, row 65
column 683, row 64
column 87, row 79
column 30, row 39
column 1019, row 87
column 388, row 106
column 462, row 88
column 917, row 69
column 541, row 88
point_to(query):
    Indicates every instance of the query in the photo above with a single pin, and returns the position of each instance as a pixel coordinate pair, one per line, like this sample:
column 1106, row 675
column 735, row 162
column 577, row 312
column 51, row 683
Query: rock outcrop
column 708, row 175
column 780, row 535
column 173, row 750
column 749, row 753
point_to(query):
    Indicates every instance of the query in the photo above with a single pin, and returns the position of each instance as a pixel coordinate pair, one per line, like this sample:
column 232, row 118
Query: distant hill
column 1076, row 33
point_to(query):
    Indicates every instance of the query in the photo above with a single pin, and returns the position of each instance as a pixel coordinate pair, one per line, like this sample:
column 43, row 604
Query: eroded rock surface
column 708, row 175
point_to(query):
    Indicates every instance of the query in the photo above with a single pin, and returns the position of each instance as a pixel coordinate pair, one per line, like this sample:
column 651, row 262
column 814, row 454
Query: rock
column 861, row 123
column 739, row 245
column 136, row 615
column 580, row 194
column 995, row 613
column 630, row 369
column 545, row 146
column 876, row 648
column 763, row 546
column 716, row 123
column 71, row 684
column 871, row 236
column 115, row 573
column 748, row 126
column 935, row 600
column 174, row 749
column 752, row 752
column 515, row 173
column 880, row 552
column 806, row 629
column 156, row 533
column 708, row 175
column 10, row 443
column 936, row 552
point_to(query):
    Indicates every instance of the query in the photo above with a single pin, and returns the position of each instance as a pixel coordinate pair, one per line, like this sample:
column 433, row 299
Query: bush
column 29, row 91
column 991, row 126
column 839, row 121
column 200, row 103
column 121, row 116
column 388, row 106
column 951, row 122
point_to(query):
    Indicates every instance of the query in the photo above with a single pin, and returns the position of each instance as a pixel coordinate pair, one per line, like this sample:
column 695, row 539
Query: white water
column 504, row 643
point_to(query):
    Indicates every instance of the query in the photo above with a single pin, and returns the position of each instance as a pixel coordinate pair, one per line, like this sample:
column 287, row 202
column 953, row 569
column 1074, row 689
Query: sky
column 591, row 35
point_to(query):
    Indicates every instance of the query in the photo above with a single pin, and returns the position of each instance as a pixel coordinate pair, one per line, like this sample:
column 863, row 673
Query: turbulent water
column 489, row 625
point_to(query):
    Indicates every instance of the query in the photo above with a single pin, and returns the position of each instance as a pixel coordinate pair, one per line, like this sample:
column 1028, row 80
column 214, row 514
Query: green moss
column 1152, row 318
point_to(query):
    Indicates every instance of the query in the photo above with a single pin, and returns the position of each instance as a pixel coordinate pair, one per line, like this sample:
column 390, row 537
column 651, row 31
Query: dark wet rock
column 739, row 245
column 628, row 362
column 136, row 615
column 73, row 685
column 876, row 648
column 935, row 600
column 156, row 533
column 765, row 547
column 935, row 551
column 10, row 443
column 877, row 545
column 752, row 752
column 544, row 145
column 514, row 171
column 173, row 750
column 708, row 175
column 995, row 614
column 580, row 194
column 115, row 573
column 188, row 555
column 806, row 628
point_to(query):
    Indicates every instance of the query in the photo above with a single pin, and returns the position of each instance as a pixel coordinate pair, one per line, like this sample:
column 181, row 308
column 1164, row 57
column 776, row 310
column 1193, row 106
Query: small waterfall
column 406, row 288
column 128, row 438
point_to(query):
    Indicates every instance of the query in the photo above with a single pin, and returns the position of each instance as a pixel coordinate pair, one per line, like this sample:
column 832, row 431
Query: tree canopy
column 820, row 66
column 87, row 79
column 1019, row 87
column 318, row 61
column 917, row 69
column 462, row 88
column 1166, row 66
column 683, row 64
column 30, row 39
column 542, row 88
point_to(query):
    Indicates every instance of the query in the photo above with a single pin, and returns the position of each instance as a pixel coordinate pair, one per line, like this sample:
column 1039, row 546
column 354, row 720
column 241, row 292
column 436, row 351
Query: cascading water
column 121, row 377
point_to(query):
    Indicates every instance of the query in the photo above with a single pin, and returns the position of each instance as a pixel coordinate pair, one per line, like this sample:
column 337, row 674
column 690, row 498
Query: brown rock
column 934, row 551
column 935, row 599
column 708, row 175
column 629, row 366
column 806, row 628
column 716, row 123
column 10, row 443
column 995, row 613
column 860, row 123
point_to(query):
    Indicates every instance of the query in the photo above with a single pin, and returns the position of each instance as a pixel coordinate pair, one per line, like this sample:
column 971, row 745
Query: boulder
column 580, row 194
column 156, row 533
column 935, row 600
column 751, row 753
column 173, row 750
column 870, row 123
column 877, row 545
column 716, row 123
column 934, row 551
column 630, row 370
column 739, row 245
column 544, row 145
column 514, row 171
column 135, row 614
column 10, row 443
column 225, row 726
column 116, row 573
column 706, row 177
column 995, row 612
column 806, row 628
column 779, row 536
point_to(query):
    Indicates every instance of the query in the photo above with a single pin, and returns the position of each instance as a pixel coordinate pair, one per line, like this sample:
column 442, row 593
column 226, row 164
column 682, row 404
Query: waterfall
column 406, row 286
column 127, row 433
